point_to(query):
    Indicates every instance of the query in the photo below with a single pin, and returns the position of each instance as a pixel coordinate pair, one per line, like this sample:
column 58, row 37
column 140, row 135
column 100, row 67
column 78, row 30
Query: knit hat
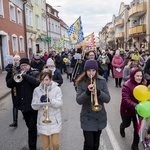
column 117, row 52
column 91, row 64
column 16, row 57
column 24, row 61
column 50, row 62
column 37, row 57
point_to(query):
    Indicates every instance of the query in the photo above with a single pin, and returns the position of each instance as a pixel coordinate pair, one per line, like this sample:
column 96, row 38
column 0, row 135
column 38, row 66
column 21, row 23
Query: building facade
column 12, row 31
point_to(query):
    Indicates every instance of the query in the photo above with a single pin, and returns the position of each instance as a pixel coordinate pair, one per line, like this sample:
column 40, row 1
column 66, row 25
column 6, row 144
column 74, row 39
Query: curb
column 4, row 95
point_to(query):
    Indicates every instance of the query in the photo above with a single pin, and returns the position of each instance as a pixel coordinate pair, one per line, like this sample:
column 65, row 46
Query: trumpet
column 46, row 113
column 18, row 77
column 94, row 100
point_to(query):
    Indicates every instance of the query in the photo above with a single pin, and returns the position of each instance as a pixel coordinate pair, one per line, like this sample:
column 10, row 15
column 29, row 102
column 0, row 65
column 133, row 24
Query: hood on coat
column 133, row 72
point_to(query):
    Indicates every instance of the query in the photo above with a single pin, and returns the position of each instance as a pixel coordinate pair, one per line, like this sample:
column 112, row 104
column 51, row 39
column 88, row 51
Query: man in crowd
column 25, row 84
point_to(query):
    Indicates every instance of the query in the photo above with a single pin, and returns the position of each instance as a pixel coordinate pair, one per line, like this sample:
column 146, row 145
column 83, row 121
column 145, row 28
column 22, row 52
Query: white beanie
column 117, row 52
column 103, row 51
column 16, row 57
column 50, row 62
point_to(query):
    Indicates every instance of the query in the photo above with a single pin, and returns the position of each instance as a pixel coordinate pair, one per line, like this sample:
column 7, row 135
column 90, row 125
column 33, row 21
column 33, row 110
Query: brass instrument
column 46, row 113
column 18, row 77
column 13, row 72
column 94, row 100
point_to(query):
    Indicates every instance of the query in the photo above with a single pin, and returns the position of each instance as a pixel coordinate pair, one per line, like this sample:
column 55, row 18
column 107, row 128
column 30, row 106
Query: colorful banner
column 89, row 41
column 75, row 32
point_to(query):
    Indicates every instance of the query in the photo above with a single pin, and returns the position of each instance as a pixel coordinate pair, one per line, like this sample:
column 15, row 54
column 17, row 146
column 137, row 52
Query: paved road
column 71, row 134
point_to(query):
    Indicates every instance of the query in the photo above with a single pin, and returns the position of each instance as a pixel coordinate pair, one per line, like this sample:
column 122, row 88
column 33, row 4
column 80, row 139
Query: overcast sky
column 94, row 13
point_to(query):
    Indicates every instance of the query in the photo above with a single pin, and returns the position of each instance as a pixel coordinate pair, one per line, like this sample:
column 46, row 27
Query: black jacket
column 24, row 89
column 57, row 77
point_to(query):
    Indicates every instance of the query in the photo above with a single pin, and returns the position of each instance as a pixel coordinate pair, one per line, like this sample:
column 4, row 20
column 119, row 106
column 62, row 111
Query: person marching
column 12, row 69
column 25, row 83
column 56, row 75
column 128, row 104
column 92, row 93
column 50, row 126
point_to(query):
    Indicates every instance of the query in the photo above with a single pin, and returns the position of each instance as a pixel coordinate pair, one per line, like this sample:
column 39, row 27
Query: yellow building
column 37, row 40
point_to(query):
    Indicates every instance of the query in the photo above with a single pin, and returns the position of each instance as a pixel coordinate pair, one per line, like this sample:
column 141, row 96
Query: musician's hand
column 91, row 87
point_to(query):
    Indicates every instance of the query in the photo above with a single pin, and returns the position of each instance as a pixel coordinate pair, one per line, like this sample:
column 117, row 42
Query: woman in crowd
column 48, row 92
column 133, row 63
column 118, row 64
column 12, row 69
column 56, row 74
column 92, row 121
column 128, row 104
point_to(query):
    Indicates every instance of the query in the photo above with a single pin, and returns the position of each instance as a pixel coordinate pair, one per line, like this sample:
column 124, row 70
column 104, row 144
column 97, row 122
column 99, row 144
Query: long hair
column 84, row 77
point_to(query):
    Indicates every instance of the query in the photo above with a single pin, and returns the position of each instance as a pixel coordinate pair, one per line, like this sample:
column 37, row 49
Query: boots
column 116, row 81
column 120, row 80
column 135, row 143
column 122, row 131
column 15, row 118
column 134, row 146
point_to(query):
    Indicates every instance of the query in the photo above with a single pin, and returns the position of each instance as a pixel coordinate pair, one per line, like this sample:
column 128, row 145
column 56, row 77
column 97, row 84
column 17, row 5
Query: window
column 1, row 8
column 14, row 43
column 43, row 4
column 29, row 17
column 37, row 19
column 21, row 43
column 19, row 12
column 12, row 12
column 36, row 2
column 44, row 24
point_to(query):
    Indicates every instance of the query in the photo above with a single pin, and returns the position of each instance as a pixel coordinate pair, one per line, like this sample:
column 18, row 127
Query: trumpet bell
column 46, row 120
column 96, row 107
column 18, row 78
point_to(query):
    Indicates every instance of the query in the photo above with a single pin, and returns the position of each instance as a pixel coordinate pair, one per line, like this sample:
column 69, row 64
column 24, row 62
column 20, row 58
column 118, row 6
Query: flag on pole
column 62, row 42
column 89, row 41
column 75, row 32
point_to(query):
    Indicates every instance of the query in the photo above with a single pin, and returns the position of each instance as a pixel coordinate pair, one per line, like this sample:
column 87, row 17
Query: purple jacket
column 129, row 102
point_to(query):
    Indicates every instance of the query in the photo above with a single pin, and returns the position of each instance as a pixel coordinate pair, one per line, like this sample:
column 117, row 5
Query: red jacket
column 129, row 102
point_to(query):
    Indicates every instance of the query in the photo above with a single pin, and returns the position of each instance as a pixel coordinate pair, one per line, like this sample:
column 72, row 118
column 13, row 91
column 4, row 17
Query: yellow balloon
column 141, row 93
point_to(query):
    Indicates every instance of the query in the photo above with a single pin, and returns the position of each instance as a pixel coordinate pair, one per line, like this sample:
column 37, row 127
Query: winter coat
column 56, row 102
column 104, row 61
column 118, row 64
column 38, row 65
column 57, row 77
column 129, row 102
column 91, row 120
column 24, row 89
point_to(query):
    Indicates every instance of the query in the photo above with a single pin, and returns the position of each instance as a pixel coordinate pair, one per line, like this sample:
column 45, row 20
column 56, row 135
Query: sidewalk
column 4, row 91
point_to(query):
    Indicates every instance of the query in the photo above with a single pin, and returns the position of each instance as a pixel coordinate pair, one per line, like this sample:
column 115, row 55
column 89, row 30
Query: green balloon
column 143, row 109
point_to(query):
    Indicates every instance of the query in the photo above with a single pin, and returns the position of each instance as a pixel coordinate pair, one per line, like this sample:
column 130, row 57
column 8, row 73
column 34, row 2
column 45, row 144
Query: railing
column 119, row 22
column 111, row 29
column 137, row 9
column 110, row 39
column 137, row 29
column 119, row 35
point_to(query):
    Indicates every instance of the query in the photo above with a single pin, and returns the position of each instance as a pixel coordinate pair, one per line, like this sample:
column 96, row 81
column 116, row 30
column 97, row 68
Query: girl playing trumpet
column 93, row 121
column 47, row 99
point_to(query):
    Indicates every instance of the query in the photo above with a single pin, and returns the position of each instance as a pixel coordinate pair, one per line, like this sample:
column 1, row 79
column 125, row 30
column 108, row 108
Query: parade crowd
column 36, row 91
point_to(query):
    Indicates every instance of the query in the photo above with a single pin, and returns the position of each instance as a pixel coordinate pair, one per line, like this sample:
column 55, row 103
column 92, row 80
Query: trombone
column 94, row 100
column 46, row 113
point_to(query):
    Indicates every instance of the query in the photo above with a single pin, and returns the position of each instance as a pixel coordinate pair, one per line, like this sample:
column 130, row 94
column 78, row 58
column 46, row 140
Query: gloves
column 43, row 98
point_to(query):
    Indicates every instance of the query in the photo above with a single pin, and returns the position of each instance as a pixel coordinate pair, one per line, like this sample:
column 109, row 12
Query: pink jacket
column 118, row 64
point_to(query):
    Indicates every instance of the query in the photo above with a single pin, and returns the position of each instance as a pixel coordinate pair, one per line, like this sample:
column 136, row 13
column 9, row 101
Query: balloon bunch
column 142, row 94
